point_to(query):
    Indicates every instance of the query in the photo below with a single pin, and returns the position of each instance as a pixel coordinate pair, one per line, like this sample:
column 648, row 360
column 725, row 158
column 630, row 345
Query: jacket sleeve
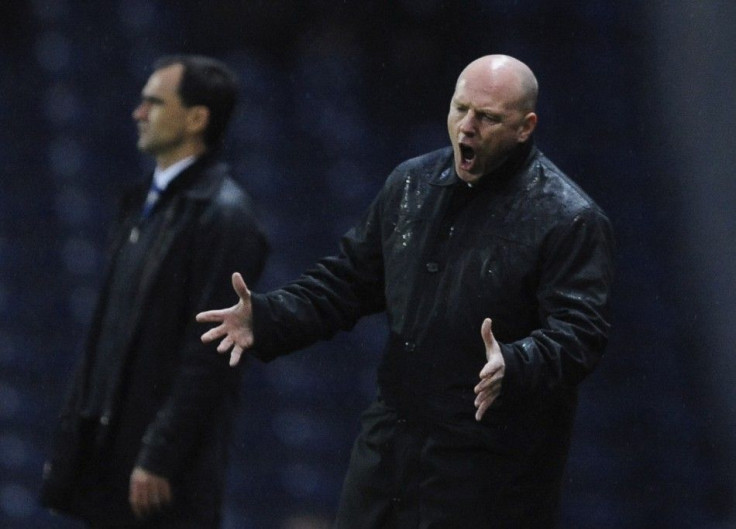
column 331, row 296
column 204, row 388
column 573, row 296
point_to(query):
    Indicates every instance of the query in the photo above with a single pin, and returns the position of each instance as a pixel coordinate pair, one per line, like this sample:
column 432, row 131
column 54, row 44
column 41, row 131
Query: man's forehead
column 480, row 93
column 165, row 79
column 488, row 90
column 169, row 74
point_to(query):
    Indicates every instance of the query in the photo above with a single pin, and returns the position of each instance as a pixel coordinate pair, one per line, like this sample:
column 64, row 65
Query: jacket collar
column 198, row 181
column 444, row 174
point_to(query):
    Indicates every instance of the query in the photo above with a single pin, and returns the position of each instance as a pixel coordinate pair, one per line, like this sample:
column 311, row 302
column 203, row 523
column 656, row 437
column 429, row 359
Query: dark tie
column 151, row 199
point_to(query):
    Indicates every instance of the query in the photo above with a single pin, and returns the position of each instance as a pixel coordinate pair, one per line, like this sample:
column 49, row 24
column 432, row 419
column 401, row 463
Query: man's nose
column 140, row 112
column 468, row 122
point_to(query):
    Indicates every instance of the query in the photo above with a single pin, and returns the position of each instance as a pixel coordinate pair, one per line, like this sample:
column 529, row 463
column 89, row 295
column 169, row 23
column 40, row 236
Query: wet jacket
column 172, row 400
column 525, row 247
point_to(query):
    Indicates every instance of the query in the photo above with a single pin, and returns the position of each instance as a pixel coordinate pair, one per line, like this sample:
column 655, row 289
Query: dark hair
column 208, row 82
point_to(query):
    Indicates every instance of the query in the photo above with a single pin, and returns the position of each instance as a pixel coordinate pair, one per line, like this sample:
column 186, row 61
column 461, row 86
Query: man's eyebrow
column 493, row 112
column 151, row 99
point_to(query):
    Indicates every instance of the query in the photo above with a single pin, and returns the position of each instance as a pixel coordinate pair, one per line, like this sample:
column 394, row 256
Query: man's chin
column 466, row 176
column 145, row 147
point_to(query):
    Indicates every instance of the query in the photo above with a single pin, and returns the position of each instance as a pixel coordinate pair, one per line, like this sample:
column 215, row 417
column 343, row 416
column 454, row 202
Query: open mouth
column 467, row 156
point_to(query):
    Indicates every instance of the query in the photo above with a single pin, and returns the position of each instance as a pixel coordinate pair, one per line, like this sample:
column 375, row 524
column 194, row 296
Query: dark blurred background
column 636, row 104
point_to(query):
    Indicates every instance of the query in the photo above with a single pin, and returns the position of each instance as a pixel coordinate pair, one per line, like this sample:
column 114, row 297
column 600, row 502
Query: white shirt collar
column 163, row 177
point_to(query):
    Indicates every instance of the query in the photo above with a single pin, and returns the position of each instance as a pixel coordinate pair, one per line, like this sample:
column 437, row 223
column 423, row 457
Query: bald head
column 508, row 77
column 491, row 113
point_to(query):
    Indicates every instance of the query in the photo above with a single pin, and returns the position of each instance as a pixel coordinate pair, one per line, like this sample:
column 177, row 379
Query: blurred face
column 161, row 117
column 485, row 121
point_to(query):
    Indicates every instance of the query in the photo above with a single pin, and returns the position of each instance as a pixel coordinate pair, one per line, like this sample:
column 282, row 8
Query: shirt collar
column 163, row 177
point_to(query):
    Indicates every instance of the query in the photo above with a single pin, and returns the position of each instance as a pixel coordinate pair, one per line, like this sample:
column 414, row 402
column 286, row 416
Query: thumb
column 487, row 333
column 241, row 289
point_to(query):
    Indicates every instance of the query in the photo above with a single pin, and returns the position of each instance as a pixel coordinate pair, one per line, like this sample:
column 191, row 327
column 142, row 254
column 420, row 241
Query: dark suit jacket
column 173, row 402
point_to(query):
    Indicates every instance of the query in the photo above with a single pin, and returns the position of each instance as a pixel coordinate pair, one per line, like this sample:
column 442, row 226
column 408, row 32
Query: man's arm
column 331, row 296
column 203, row 388
column 574, row 306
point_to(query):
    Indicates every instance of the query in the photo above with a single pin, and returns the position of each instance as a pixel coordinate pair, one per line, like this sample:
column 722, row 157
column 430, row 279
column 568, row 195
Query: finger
column 487, row 333
column 490, row 393
column 210, row 316
column 165, row 492
column 225, row 345
column 491, row 368
column 488, row 387
column 235, row 355
column 134, row 506
column 146, row 504
column 485, row 403
column 480, row 412
column 157, row 496
column 136, row 499
column 153, row 502
column 213, row 334
column 488, row 370
column 241, row 289
column 483, row 385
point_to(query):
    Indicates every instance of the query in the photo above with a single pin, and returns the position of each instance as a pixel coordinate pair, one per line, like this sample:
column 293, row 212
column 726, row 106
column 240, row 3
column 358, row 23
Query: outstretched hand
column 235, row 323
column 491, row 376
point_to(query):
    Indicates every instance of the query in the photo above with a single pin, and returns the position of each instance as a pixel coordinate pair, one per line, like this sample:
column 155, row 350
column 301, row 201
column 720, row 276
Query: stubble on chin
column 144, row 146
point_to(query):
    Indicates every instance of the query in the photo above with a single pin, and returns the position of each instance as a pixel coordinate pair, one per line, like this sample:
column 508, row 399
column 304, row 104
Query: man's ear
column 527, row 127
column 198, row 117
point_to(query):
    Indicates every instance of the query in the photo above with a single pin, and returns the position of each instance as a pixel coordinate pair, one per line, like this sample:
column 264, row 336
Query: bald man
column 494, row 271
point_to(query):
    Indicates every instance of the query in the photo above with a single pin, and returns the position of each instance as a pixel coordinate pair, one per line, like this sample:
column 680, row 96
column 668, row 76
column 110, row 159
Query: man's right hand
column 235, row 323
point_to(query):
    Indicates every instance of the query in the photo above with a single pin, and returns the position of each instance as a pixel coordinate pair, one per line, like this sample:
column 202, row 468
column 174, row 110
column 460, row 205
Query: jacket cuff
column 510, row 384
column 160, row 462
column 262, row 346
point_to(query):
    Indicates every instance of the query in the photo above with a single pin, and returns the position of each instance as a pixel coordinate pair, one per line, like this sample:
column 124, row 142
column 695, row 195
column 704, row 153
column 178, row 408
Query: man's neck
column 165, row 161
column 162, row 177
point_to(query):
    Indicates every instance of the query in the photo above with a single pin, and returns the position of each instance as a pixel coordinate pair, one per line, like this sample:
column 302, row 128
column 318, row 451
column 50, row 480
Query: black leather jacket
column 525, row 247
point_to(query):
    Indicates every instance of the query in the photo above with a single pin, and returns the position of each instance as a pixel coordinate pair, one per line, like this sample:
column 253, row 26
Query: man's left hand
column 491, row 376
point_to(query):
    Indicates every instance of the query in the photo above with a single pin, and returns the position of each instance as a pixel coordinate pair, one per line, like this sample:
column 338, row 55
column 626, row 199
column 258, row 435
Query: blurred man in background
column 494, row 270
column 143, row 435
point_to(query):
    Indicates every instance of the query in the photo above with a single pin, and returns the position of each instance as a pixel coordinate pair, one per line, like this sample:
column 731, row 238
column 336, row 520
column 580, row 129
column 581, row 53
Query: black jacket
column 173, row 400
column 526, row 247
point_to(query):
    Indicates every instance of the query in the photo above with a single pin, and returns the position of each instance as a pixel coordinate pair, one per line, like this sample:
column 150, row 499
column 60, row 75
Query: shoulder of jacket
column 426, row 161
column 422, row 168
column 217, row 185
column 558, row 186
column 231, row 195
